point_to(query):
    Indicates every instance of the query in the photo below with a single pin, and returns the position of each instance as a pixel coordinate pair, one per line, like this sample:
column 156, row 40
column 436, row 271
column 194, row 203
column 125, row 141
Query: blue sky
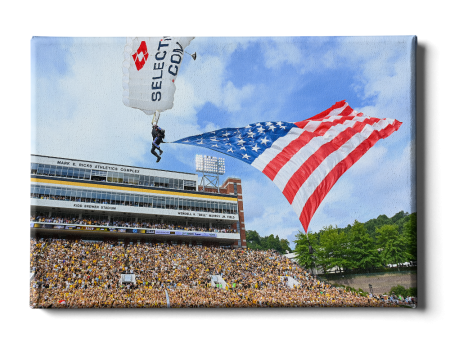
column 77, row 112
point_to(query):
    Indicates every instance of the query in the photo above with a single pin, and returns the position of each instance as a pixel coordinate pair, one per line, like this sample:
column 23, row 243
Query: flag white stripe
column 312, row 125
column 309, row 186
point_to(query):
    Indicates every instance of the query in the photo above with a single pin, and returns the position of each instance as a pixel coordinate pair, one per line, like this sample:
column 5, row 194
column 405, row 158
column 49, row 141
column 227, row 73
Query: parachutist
column 158, row 135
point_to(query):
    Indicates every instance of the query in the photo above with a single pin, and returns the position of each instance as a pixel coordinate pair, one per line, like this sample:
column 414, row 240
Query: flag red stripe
column 274, row 166
column 330, row 180
column 337, row 105
column 311, row 164
column 302, row 124
column 347, row 111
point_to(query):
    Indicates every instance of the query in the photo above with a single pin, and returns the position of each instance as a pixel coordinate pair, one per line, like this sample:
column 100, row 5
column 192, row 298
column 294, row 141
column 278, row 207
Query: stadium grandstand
column 105, row 235
column 73, row 198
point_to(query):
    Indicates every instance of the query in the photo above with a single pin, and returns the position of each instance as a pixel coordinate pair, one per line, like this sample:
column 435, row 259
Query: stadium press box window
column 116, row 177
column 146, row 201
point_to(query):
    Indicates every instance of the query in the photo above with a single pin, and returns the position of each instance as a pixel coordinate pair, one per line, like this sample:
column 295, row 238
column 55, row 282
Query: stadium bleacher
column 77, row 274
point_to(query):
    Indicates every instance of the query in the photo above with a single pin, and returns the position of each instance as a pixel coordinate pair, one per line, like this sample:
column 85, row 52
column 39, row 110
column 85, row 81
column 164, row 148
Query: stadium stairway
column 167, row 299
column 31, row 276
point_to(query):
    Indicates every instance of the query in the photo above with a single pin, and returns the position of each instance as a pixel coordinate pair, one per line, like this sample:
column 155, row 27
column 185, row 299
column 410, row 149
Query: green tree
column 411, row 292
column 383, row 219
column 392, row 245
column 302, row 254
column 271, row 242
column 285, row 245
column 333, row 249
column 253, row 240
column 341, row 254
column 256, row 242
column 253, row 237
column 399, row 291
column 410, row 235
column 398, row 216
column 362, row 252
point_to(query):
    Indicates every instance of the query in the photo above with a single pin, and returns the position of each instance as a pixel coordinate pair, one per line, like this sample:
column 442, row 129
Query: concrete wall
column 381, row 283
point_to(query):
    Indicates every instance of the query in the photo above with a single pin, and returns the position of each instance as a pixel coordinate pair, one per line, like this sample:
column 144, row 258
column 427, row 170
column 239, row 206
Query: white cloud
column 278, row 51
column 233, row 96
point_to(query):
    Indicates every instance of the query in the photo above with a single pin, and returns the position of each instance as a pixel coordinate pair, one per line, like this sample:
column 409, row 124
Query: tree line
column 363, row 246
column 256, row 242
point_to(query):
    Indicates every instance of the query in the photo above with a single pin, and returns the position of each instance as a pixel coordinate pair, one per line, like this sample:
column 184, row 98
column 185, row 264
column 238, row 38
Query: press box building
column 119, row 196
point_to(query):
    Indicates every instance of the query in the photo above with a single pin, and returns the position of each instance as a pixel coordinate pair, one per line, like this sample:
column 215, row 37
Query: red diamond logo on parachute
column 140, row 56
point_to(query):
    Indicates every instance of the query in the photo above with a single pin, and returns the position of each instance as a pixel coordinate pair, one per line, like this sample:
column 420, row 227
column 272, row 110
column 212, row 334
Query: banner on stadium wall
column 132, row 230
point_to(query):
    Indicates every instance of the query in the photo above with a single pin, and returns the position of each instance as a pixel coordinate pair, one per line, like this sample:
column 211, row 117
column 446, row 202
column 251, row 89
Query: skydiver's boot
column 159, row 158
column 160, row 151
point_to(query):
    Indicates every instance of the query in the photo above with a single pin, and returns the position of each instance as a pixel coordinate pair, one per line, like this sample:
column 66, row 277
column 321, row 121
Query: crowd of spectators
column 393, row 298
column 76, row 273
column 129, row 224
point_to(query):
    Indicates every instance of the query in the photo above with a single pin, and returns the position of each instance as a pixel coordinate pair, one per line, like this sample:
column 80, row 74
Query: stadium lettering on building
column 98, row 166
column 185, row 213
column 104, row 207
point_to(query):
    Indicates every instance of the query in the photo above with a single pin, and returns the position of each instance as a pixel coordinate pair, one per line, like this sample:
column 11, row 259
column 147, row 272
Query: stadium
column 108, row 235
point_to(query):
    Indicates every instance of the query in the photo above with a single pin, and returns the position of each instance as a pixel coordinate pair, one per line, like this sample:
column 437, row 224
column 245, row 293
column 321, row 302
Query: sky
column 77, row 112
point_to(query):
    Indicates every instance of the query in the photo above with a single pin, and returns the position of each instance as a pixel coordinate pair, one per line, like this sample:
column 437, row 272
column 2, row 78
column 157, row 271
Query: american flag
column 304, row 159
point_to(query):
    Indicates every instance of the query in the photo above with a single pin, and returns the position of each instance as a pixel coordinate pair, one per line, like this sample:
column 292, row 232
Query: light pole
column 211, row 168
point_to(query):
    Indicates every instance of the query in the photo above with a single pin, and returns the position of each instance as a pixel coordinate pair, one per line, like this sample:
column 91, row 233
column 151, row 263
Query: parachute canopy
column 150, row 69
column 304, row 159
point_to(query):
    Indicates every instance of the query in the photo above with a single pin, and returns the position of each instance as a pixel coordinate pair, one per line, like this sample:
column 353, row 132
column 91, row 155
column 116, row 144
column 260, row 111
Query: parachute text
column 175, row 59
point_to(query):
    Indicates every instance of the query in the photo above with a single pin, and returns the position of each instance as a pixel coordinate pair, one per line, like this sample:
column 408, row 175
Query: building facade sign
column 131, row 209
column 109, row 167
